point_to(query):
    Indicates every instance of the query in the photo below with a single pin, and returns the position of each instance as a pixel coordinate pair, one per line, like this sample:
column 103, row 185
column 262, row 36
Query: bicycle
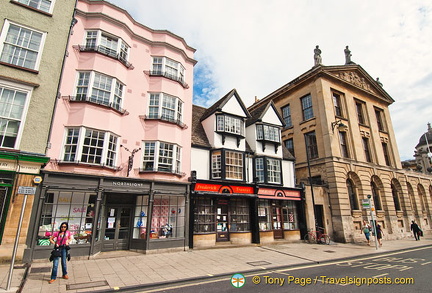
column 317, row 237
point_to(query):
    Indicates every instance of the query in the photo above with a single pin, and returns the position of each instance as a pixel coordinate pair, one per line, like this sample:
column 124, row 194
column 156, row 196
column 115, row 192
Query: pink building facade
column 120, row 142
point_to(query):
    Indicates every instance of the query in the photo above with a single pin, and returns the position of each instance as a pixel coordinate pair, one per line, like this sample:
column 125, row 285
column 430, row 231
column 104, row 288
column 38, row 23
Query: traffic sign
column 366, row 203
column 26, row 190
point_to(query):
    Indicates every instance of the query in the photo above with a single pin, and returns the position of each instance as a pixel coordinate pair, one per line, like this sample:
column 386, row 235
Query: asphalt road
column 407, row 271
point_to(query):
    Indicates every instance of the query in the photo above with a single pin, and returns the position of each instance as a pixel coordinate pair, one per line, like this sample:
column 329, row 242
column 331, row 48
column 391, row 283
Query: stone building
column 33, row 40
column 338, row 127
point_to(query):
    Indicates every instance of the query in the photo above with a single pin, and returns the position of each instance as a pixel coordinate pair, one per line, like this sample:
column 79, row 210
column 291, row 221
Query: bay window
column 268, row 170
column 165, row 107
column 268, row 133
column 226, row 164
column 230, row 124
column 168, row 68
column 100, row 89
column 85, row 145
column 107, row 44
column 161, row 156
column 21, row 46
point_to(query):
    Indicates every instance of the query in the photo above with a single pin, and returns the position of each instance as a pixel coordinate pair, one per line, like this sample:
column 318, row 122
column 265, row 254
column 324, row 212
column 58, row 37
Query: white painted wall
column 200, row 162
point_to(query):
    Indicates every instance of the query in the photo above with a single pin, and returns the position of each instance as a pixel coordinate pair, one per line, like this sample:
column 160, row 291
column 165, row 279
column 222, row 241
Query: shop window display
column 239, row 216
column 204, row 215
column 76, row 208
column 290, row 217
column 140, row 217
column 168, row 218
column 264, row 220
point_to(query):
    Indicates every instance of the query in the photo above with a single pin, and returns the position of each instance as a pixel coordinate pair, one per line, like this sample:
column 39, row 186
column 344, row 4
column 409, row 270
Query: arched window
column 395, row 198
column 376, row 196
column 352, row 194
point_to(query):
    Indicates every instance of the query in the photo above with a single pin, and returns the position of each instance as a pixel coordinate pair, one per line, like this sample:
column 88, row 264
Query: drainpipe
column 73, row 22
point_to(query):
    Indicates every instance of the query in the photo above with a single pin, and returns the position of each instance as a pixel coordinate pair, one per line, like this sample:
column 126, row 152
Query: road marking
column 426, row 263
column 355, row 260
column 382, row 275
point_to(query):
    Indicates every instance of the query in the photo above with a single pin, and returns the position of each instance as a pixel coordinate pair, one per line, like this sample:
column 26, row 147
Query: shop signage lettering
column 22, row 167
column 64, row 199
column 133, row 184
column 277, row 193
column 79, row 210
column 223, row 188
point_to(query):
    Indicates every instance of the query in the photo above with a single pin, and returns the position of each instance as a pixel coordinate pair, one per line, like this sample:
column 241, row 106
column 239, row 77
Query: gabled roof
column 216, row 107
column 258, row 113
column 286, row 154
column 199, row 137
column 353, row 75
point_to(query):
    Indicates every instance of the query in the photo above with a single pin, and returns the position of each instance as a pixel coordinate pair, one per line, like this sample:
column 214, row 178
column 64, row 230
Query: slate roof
column 199, row 137
column 258, row 112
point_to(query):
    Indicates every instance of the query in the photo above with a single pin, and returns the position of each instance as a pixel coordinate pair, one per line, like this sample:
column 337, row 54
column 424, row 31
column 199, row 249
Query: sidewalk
column 116, row 270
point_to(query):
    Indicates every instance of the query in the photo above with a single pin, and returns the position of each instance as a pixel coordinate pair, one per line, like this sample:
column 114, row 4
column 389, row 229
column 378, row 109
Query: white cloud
column 257, row 46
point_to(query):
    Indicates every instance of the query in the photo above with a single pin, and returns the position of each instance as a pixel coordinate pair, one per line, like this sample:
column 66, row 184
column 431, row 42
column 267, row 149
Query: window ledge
column 19, row 67
column 31, row 8
column 166, row 120
column 76, row 99
column 97, row 49
column 181, row 174
column 86, row 164
column 169, row 76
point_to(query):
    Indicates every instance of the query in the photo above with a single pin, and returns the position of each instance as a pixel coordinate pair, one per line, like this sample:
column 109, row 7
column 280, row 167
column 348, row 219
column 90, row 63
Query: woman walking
column 367, row 230
column 379, row 233
column 60, row 240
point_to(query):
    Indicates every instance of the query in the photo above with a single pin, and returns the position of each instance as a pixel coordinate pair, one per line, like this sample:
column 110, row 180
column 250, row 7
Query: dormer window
column 230, row 124
column 268, row 133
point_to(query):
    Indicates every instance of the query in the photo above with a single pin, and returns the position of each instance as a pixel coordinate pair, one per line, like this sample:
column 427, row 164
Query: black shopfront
column 243, row 214
column 109, row 213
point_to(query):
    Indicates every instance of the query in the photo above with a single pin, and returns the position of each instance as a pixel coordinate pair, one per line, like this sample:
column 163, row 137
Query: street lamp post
column 311, row 186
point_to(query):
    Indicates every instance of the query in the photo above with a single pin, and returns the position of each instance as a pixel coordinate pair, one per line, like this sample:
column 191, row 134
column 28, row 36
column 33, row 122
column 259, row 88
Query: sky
column 257, row 46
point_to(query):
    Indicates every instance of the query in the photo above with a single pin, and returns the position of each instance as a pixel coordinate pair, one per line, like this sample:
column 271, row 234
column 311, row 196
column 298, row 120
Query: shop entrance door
column 222, row 227
column 117, row 228
column 277, row 222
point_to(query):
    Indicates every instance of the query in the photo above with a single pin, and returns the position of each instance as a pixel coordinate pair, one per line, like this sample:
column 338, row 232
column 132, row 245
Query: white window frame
column 230, row 124
column 109, row 148
column 38, row 51
column 159, row 103
column 101, row 44
column 37, row 4
column 116, row 89
column 155, row 153
column 168, row 68
column 28, row 90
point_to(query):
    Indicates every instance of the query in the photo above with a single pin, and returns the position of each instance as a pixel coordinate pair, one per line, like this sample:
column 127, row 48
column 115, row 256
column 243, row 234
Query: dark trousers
column 416, row 235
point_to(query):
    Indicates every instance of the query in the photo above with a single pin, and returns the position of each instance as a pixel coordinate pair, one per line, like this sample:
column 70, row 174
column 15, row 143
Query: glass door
column 222, row 230
column 117, row 228
column 277, row 222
